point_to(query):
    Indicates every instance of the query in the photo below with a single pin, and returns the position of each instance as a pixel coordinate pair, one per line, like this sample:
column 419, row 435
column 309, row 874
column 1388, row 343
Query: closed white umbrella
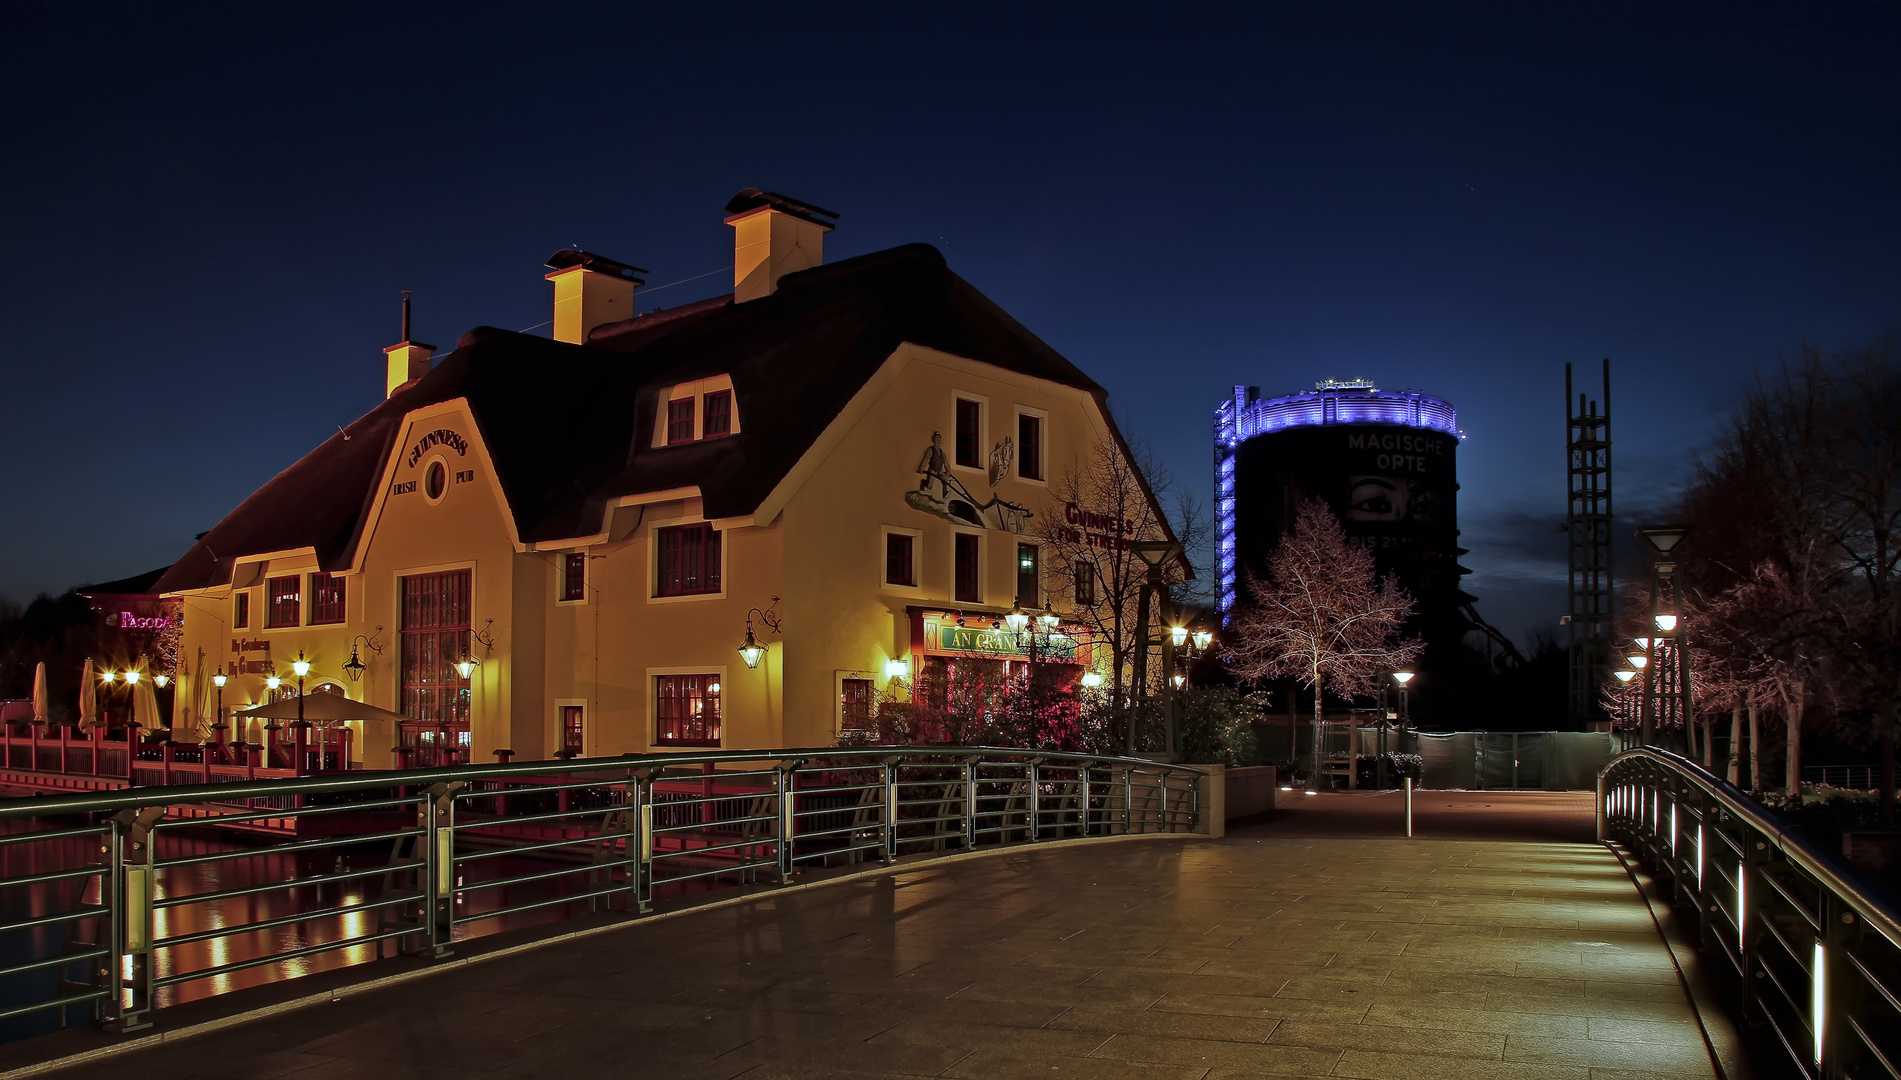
column 145, row 702
column 39, row 693
column 183, row 719
column 88, row 698
column 201, row 696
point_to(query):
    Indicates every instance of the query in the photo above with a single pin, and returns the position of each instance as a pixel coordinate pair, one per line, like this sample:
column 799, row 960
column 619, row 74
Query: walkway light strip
column 1818, row 997
column 1742, row 911
column 1699, row 859
column 1673, row 829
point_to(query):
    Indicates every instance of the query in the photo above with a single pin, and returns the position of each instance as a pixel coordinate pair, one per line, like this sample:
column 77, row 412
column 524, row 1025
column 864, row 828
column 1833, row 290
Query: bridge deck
column 1262, row 954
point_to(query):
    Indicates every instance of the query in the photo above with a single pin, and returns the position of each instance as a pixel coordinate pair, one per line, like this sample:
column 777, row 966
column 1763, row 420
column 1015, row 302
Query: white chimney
column 773, row 236
column 589, row 291
column 406, row 361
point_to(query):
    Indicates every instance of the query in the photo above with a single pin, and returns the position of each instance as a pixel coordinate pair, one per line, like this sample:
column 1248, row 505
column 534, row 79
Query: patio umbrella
column 145, row 702
column 322, row 708
column 88, row 698
column 182, row 683
column 201, row 696
column 39, row 693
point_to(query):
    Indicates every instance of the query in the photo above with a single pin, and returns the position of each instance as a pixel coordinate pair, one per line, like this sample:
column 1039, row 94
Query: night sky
column 210, row 213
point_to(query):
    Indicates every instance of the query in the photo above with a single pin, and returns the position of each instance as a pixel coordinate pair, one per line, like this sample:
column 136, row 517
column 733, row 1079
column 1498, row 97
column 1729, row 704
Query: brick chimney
column 589, row 291
column 773, row 236
column 406, row 360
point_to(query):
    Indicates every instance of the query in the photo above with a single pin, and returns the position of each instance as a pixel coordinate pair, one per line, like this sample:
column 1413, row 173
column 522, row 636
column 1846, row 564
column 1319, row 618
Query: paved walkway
column 1270, row 953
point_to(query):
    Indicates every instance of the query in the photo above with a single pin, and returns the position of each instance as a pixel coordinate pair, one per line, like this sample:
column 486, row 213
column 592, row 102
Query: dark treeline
column 1792, row 576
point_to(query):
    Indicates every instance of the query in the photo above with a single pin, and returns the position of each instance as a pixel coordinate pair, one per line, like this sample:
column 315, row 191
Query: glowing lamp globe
column 1639, row 661
column 301, row 666
column 1624, row 676
column 1666, row 623
column 108, row 676
column 466, row 666
column 272, row 682
column 1203, row 639
column 161, row 680
column 1402, row 677
column 219, row 679
column 132, row 677
column 751, row 652
column 1017, row 620
column 1092, row 679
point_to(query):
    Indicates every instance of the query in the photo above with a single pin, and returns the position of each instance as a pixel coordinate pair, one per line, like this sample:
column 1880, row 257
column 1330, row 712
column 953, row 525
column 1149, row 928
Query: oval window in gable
column 435, row 480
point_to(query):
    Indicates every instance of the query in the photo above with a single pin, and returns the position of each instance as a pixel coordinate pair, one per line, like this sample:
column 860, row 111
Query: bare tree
column 1101, row 502
column 1321, row 616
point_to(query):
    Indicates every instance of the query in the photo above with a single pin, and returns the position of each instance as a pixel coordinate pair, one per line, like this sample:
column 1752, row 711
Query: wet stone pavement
column 1263, row 954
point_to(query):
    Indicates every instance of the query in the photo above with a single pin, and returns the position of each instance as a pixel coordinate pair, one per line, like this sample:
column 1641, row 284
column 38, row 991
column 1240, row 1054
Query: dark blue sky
column 210, row 212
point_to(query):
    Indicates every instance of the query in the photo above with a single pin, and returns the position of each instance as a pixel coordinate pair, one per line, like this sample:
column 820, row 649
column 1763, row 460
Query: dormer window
column 718, row 417
column 679, row 421
column 701, row 409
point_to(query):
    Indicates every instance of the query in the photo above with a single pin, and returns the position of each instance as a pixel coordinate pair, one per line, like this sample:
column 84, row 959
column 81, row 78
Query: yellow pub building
column 563, row 547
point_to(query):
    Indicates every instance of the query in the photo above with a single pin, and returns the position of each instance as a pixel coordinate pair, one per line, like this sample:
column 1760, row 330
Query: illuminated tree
column 1321, row 616
column 1098, row 504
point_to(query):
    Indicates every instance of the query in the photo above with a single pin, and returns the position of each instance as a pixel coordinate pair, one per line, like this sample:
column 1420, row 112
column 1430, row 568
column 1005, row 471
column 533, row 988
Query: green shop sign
column 963, row 639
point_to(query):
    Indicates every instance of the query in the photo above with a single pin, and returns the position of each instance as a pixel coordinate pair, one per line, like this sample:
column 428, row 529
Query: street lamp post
column 271, row 683
column 1155, row 554
column 300, row 737
column 218, row 726
column 1402, row 678
column 1663, row 540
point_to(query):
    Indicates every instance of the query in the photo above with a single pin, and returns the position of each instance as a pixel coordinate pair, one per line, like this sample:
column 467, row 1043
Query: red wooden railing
column 116, row 754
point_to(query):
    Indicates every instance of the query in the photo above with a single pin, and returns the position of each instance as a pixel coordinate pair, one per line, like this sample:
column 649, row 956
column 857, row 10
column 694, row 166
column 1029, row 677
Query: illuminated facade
column 559, row 546
column 1348, row 444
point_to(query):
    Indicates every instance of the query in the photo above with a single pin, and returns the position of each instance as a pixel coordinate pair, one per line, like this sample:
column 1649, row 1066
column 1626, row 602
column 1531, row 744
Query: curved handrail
column 142, row 796
column 1827, row 869
column 471, row 845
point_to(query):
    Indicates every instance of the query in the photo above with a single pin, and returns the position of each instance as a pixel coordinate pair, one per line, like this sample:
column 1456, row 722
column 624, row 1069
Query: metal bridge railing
column 1808, row 951
column 115, row 904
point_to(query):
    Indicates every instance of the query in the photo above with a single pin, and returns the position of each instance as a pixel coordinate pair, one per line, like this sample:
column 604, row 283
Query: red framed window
column 574, row 576
column 900, row 565
column 686, row 710
column 717, row 419
column 241, row 610
column 969, row 433
column 436, row 620
column 689, row 560
column 1083, row 583
column 286, row 602
column 1029, row 447
column 854, row 704
column 573, row 731
column 680, row 421
column 1029, row 586
column 326, row 599
column 969, row 580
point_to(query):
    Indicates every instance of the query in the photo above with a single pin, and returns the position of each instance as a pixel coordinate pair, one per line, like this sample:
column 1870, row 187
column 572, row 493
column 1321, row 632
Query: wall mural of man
column 954, row 502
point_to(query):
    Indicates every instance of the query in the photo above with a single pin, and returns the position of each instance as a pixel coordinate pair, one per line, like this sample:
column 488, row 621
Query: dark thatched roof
column 570, row 427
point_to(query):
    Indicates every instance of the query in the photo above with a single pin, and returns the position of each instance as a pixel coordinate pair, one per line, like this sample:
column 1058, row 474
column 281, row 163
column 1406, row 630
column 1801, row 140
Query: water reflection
column 329, row 917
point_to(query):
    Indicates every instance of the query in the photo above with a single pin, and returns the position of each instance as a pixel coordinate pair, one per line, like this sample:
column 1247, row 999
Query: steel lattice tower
column 1588, row 521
